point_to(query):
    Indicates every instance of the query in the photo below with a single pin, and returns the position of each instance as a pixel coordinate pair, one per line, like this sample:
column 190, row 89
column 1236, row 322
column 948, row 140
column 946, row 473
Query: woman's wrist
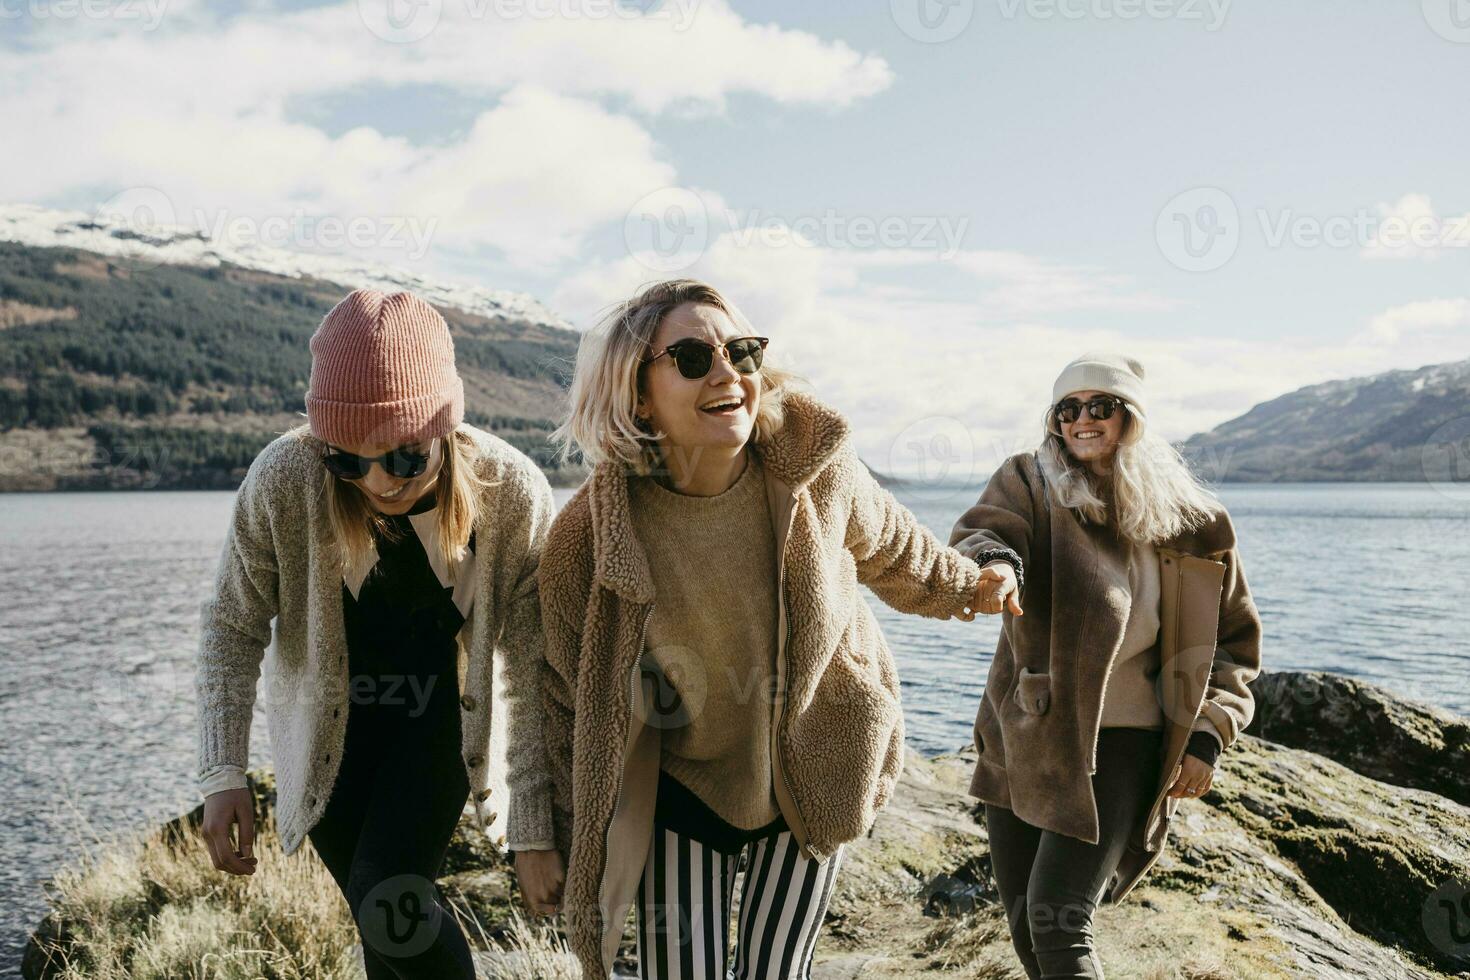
column 992, row 555
column 1204, row 747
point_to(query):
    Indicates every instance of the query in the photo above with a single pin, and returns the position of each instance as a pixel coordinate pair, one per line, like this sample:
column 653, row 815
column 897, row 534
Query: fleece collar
column 808, row 439
column 1215, row 536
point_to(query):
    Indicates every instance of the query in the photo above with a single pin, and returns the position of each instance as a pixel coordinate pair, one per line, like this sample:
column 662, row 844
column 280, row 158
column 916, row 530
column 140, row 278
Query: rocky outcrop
column 1366, row 728
column 1292, row 865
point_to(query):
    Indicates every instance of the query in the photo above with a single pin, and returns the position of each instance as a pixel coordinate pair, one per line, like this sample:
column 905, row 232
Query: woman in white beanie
column 1110, row 700
column 396, row 549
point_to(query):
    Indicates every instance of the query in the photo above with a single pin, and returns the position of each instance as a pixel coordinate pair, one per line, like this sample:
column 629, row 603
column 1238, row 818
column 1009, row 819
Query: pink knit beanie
column 382, row 372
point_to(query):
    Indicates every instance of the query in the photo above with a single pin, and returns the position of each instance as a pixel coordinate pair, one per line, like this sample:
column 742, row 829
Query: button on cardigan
column 277, row 564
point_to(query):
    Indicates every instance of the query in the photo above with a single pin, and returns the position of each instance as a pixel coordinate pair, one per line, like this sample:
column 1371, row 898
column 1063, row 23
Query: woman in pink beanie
column 396, row 549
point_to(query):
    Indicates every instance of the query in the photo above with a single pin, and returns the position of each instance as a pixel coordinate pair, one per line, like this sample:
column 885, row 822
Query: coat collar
column 810, row 436
column 1210, row 539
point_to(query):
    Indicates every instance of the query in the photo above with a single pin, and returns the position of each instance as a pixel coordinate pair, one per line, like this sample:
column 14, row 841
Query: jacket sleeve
column 999, row 525
column 898, row 557
column 1229, row 704
column 528, row 775
column 235, row 630
column 564, row 597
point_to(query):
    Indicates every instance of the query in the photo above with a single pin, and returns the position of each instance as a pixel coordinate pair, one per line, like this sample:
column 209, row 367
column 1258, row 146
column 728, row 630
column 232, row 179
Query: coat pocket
column 1033, row 692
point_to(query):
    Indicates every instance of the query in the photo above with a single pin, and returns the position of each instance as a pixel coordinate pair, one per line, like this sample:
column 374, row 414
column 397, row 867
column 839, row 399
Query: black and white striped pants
column 684, row 901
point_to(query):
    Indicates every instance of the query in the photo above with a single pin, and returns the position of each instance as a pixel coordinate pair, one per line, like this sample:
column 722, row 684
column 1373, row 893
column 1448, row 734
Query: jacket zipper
column 782, row 695
column 622, row 772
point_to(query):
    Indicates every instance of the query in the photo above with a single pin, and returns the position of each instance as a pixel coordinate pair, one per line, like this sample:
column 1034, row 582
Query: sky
column 930, row 206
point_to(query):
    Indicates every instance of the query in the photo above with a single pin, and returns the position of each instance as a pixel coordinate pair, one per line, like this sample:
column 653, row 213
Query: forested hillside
column 120, row 375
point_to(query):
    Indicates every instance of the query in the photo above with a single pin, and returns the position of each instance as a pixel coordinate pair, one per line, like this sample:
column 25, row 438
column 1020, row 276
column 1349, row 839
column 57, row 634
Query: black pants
column 383, row 835
column 1050, row 883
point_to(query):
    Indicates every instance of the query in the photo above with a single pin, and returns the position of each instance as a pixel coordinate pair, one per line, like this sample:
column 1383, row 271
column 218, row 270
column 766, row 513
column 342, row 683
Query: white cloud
column 913, row 368
column 1421, row 322
column 201, row 110
column 1028, row 286
column 895, row 358
column 1410, row 229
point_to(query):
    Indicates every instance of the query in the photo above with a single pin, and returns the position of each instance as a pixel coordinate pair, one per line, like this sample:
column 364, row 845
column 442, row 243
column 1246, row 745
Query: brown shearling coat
column 1037, row 726
column 838, row 730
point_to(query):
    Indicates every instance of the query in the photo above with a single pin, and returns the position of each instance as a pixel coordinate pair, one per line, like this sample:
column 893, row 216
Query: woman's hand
column 541, row 875
column 995, row 592
column 1195, row 776
column 222, row 811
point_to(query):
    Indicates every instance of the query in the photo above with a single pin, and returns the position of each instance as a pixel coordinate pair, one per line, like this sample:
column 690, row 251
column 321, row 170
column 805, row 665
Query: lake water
column 100, row 614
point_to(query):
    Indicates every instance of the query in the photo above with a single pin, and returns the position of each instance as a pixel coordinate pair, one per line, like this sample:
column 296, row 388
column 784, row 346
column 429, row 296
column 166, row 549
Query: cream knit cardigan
column 276, row 563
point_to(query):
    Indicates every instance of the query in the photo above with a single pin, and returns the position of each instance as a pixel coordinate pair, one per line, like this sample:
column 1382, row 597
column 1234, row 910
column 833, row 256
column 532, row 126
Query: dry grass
column 132, row 905
column 977, row 945
column 529, row 950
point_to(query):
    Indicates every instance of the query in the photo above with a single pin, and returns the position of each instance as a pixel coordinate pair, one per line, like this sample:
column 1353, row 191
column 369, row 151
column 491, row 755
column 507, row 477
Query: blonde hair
column 601, row 420
column 1155, row 493
column 457, row 503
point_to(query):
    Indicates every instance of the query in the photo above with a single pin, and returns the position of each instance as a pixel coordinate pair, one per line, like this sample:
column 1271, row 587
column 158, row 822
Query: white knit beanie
column 1116, row 374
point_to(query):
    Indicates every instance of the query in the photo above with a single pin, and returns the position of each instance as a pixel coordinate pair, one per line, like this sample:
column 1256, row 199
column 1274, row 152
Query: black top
column 401, row 628
column 679, row 809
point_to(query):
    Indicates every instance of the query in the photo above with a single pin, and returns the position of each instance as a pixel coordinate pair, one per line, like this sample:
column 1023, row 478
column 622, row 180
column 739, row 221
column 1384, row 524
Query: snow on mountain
column 113, row 234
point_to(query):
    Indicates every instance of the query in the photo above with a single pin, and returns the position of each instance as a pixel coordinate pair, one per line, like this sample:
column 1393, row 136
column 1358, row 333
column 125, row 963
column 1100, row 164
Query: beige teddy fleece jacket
column 837, row 732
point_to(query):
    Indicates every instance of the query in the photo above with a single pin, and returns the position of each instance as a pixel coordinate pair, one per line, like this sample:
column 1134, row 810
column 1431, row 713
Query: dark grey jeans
column 1051, row 884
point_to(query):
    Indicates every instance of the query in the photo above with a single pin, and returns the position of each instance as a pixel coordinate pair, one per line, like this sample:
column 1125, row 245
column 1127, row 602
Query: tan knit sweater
column 712, row 639
column 1130, row 698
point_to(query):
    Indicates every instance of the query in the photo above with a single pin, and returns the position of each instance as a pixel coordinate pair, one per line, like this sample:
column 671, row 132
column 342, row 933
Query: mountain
column 1408, row 426
column 166, row 360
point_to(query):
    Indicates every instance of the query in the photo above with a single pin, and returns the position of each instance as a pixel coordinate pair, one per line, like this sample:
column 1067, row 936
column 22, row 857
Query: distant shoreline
column 895, row 484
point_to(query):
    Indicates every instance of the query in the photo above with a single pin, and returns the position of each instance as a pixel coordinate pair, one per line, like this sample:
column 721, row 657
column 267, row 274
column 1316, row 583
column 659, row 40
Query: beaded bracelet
column 1010, row 557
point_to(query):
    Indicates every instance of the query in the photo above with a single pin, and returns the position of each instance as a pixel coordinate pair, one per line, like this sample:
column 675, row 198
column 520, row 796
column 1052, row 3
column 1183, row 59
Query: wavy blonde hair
column 1155, row 493
column 457, row 503
column 601, row 421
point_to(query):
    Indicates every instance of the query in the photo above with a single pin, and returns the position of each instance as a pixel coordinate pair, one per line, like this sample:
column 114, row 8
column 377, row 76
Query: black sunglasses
column 1099, row 407
column 402, row 462
column 694, row 358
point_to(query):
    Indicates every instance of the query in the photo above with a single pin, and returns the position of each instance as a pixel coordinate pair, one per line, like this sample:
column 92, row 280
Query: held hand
column 221, row 812
column 995, row 592
column 1193, row 779
column 541, row 875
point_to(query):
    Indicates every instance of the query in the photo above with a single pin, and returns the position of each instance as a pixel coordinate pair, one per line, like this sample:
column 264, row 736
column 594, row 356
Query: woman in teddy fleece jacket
column 718, row 694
